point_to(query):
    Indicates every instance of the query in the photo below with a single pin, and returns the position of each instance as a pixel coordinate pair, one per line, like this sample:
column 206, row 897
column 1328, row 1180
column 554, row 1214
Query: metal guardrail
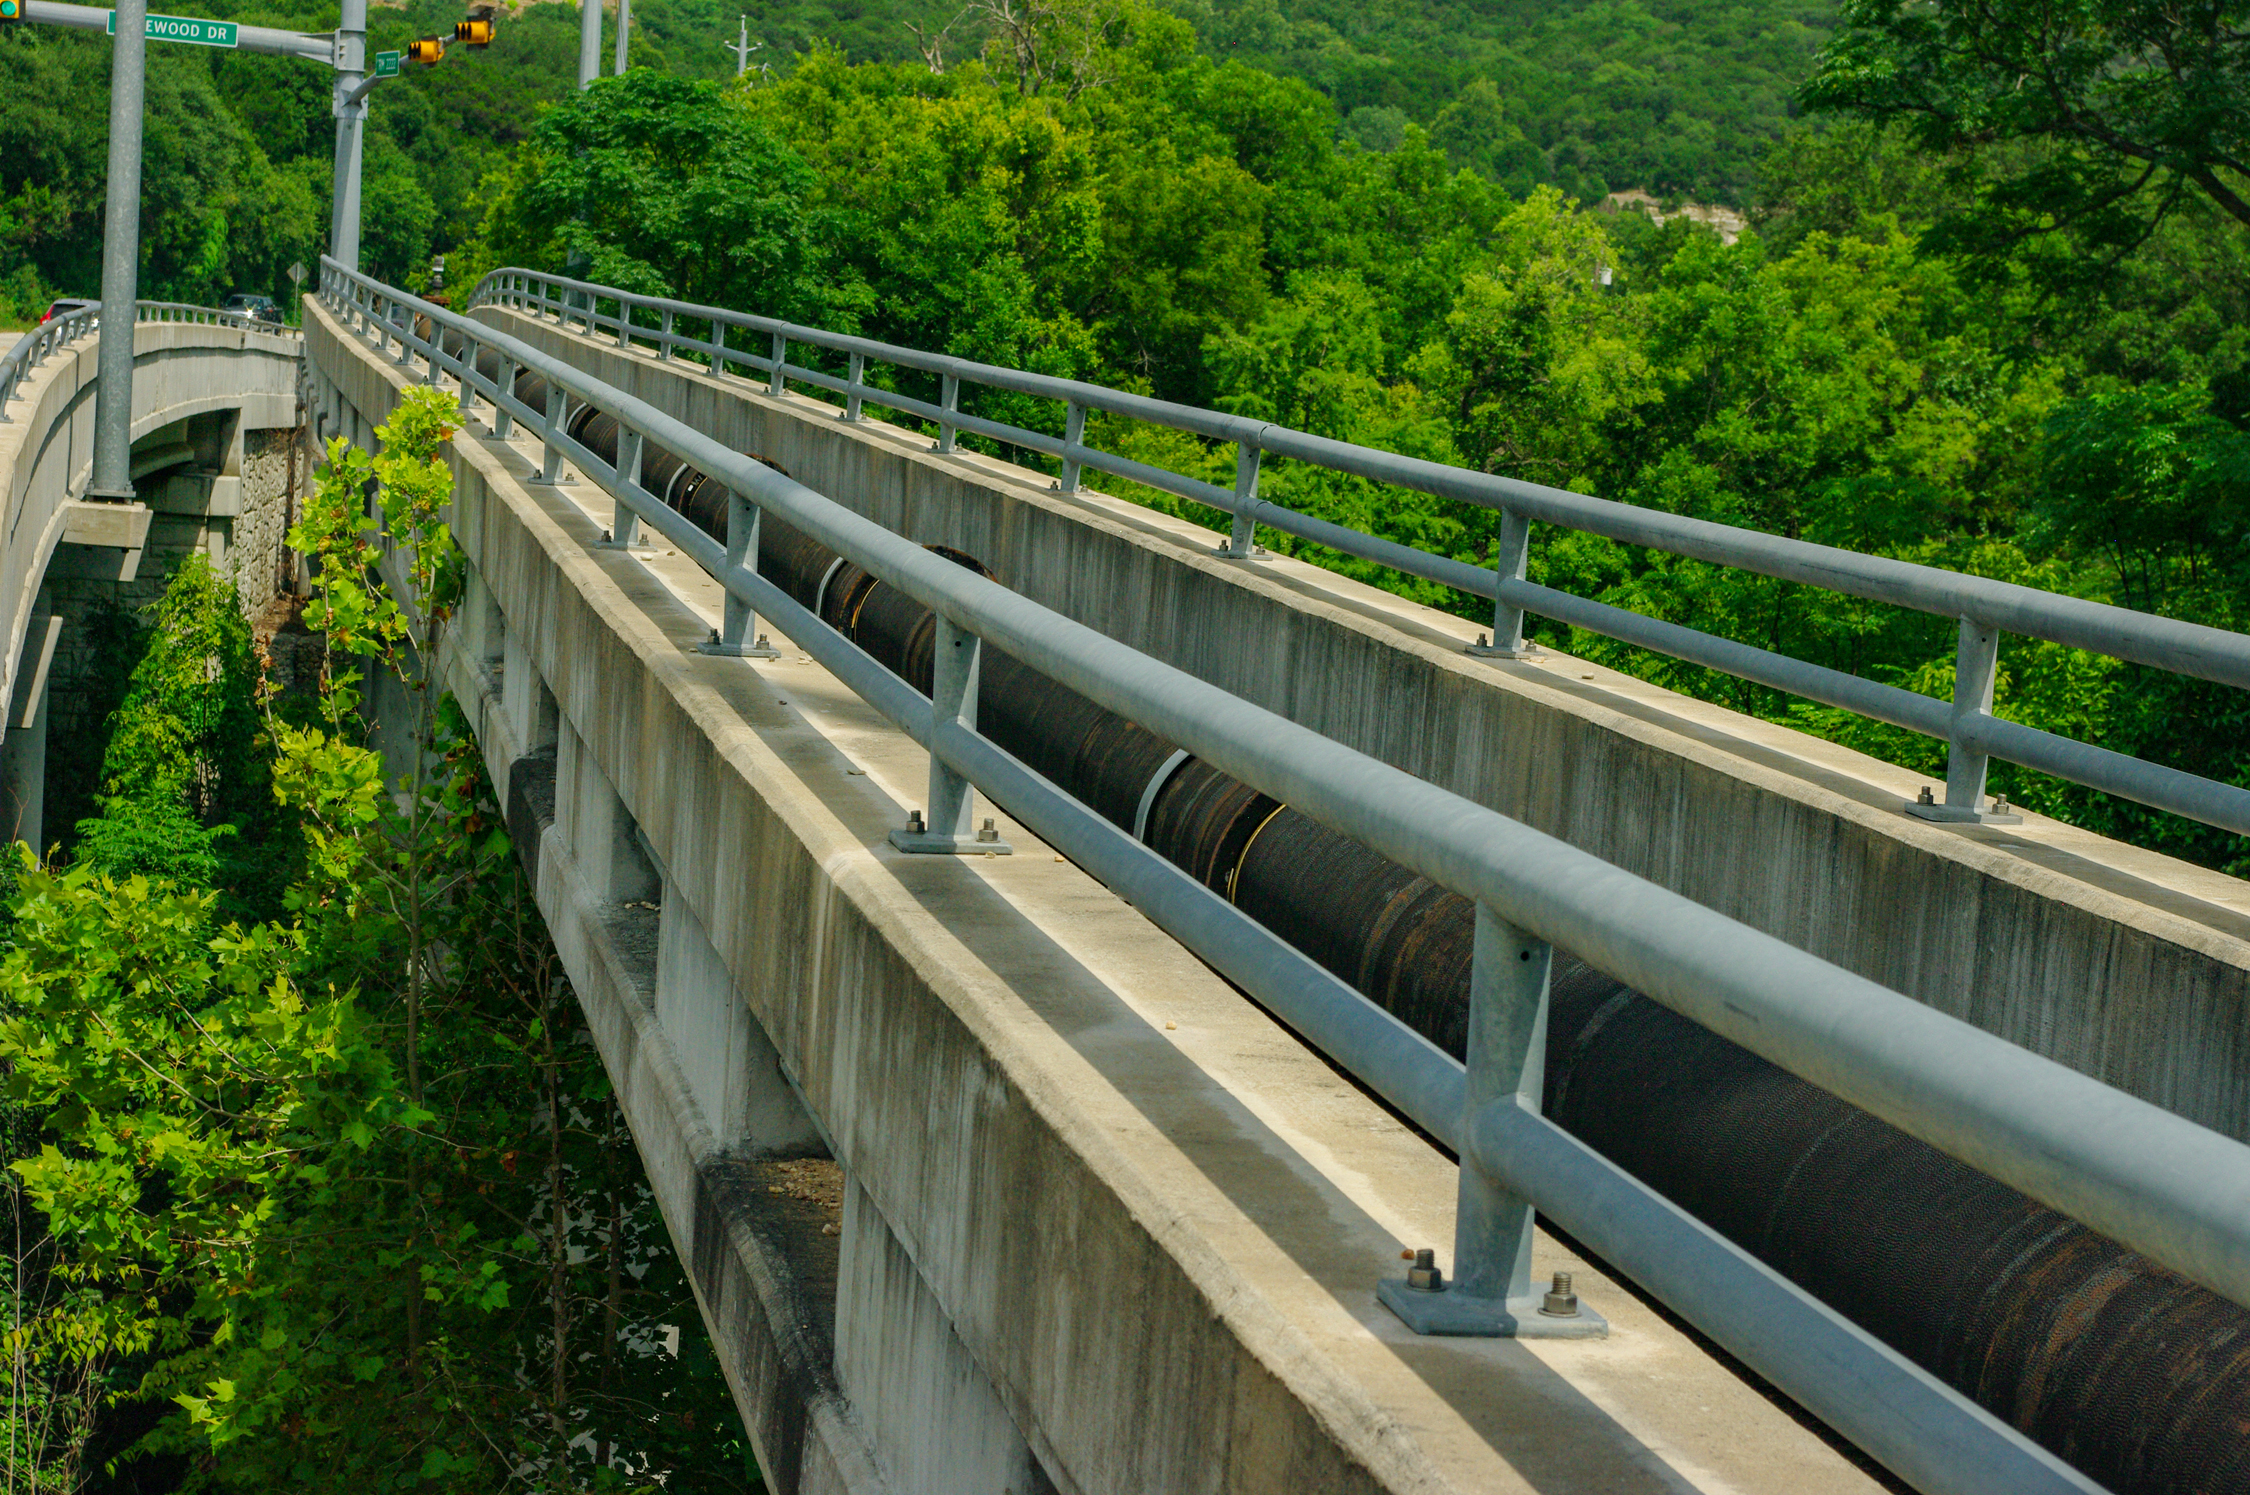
column 48, row 338
column 1985, row 609
column 2143, row 1176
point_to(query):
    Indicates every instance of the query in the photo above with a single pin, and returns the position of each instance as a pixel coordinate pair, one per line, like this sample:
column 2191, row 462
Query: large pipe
column 2133, row 1374
column 112, row 478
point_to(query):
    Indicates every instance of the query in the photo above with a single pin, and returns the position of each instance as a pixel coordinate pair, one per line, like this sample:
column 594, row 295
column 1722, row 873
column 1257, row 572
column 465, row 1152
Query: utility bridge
column 1253, row 1033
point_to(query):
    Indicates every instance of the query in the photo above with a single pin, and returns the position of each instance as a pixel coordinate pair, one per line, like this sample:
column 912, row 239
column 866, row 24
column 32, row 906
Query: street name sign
column 386, row 64
column 189, row 29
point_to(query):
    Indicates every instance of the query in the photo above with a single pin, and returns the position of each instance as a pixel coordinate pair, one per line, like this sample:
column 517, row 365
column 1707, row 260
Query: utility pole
column 624, row 26
column 121, row 258
column 742, row 48
column 589, row 43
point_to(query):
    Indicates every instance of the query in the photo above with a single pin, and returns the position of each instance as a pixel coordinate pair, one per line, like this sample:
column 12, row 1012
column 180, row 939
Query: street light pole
column 624, row 24
column 351, row 117
column 589, row 42
column 121, row 258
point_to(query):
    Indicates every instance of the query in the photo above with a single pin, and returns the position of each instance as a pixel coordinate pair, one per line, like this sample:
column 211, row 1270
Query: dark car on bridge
column 65, row 307
column 261, row 307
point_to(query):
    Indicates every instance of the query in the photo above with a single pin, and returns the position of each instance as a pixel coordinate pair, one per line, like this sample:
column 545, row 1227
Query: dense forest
column 2000, row 330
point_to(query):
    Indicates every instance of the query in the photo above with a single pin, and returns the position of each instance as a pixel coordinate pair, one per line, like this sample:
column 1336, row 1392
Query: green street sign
column 189, row 29
column 386, row 64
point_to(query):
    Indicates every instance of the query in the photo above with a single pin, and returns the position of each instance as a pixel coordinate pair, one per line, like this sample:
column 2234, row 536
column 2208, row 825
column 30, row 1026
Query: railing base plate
column 926, row 843
column 1457, row 1314
column 1954, row 815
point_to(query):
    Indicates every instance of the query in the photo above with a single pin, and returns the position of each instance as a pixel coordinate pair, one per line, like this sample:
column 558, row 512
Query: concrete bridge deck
column 1102, row 1224
column 1105, row 1225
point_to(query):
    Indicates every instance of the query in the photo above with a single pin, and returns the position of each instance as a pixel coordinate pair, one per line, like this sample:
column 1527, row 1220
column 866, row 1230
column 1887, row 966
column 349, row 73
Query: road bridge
column 214, row 396
column 1104, row 1219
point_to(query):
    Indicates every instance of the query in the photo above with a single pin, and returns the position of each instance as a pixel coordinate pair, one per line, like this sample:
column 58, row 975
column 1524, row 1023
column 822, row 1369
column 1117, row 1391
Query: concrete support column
column 526, row 705
column 598, row 828
column 23, row 752
column 731, row 1067
column 937, row 1425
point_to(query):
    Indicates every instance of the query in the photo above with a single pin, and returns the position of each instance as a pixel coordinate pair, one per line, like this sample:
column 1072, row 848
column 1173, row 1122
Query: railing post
column 1491, row 1294
column 950, row 400
column 852, row 380
column 737, row 637
column 1511, row 557
column 953, row 701
column 468, row 368
column 1242, row 541
column 624, row 323
column 503, row 421
column 718, row 349
column 1074, row 436
column 664, row 345
column 1976, row 666
column 624, row 524
column 774, row 383
column 558, row 411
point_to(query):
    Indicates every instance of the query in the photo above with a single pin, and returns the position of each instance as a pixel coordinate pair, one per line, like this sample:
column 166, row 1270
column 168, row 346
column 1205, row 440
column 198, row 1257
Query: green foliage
column 185, row 786
column 659, row 182
column 336, row 1194
column 2094, row 119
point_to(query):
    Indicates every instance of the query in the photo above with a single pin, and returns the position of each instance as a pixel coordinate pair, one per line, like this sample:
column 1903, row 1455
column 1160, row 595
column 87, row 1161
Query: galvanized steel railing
column 1985, row 610
column 50, row 337
column 2143, row 1176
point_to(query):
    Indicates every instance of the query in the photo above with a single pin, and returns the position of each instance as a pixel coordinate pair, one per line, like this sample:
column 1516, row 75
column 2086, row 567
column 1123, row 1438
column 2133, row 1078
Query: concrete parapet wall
column 2123, row 964
column 180, row 371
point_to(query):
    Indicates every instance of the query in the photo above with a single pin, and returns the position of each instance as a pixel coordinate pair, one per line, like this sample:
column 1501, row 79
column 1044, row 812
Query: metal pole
column 351, row 117
column 624, row 27
column 121, row 258
column 589, row 43
column 742, row 47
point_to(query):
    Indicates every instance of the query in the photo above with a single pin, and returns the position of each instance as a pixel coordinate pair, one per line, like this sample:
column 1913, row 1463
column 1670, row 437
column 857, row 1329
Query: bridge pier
column 936, row 1422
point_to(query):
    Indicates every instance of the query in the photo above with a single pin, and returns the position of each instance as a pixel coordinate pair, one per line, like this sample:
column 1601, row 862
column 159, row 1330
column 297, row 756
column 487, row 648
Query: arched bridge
column 214, row 395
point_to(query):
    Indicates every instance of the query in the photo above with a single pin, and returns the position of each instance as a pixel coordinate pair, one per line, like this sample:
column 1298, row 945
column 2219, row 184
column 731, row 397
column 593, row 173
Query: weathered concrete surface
column 1152, row 1221
column 180, row 371
column 2126, row 965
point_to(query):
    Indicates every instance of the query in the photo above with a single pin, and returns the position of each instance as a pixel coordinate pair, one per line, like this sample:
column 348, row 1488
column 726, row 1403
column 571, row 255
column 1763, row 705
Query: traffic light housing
column 476, row 31
column 10, row 10
column 426, row 50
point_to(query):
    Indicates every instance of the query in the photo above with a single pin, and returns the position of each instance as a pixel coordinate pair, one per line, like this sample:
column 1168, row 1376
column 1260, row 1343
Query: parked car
column 65, row 306
column 261, row 307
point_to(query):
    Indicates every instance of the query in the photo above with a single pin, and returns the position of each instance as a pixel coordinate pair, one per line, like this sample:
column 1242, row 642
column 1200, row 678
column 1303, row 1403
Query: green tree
column 344, row 1190
column 2094, row 119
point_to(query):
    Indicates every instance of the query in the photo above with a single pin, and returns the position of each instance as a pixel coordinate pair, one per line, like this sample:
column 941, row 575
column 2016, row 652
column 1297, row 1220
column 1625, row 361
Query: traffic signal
column 476, row 31
column 425, row 50
column 10, row 10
